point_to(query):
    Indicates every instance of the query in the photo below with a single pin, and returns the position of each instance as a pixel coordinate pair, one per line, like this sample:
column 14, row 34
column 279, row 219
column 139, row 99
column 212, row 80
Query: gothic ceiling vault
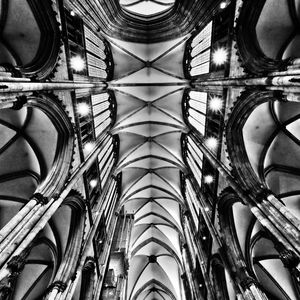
column 148, row 85
column 170, row 141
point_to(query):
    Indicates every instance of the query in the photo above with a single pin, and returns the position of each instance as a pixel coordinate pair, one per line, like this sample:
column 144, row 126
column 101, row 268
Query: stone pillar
column 278, row 80
column 250, row 287
column 273, row 216
column 39, row 216
column 56, row 288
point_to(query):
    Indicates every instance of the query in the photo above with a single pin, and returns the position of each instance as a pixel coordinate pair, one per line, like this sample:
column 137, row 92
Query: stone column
column 275, row 217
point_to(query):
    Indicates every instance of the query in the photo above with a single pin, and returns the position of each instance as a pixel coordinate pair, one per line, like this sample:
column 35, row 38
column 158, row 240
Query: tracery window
column 208, row 49
column 95, row 115
column 97, row 175
column 102, row 111
column 198, row 52
column 204, row 113
column 109, row 199
column 197, row 106
column 76, row 51
column 93, row 183
column 89, row 54
column 191, row 196
column 107, row 158
column 99, row 60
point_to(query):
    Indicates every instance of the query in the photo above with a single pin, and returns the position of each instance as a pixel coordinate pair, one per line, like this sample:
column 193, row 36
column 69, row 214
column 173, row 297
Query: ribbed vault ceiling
column 148, row 8
column 148, row 87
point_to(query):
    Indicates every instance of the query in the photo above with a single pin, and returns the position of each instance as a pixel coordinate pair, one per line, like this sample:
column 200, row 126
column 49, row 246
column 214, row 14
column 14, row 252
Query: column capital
column 58, row 285
column 89, row 264
column 263, row 194
column 289, row 259
column 17, row 264
column 40, row 199
column 247, row 282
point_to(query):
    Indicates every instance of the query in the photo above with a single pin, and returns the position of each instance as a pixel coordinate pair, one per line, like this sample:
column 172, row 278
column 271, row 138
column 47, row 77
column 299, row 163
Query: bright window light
column 88, row 147
column 211, row 143
column 206, row 208
column 72, row 13
column 208, row 179
column 219, row 57
column 215, row 104
column 77, row 63
column 223, row 4
column 93, row 183
column 83, row 109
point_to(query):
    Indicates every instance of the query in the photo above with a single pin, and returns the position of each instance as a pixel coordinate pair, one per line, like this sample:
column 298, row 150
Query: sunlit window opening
column 77, row 63
column 211, row 143
column 93, row 183
column 96, row 54
column 219, row 56
column 215, row 104
column 88, row 147
column 208, row 179
column 83, row 109
column 200, row 54
column 223, row 4
column 197, row 110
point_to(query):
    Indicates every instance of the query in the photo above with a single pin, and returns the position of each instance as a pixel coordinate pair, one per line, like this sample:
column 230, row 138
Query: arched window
column 89, row 53
column 208, row 49
column 203, row 112
column 198, row 51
